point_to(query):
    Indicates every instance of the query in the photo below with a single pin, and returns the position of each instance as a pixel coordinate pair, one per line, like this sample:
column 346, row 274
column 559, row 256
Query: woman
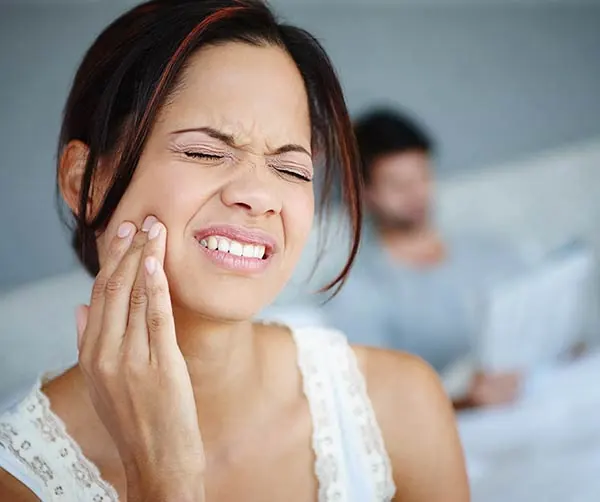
column 190, row 141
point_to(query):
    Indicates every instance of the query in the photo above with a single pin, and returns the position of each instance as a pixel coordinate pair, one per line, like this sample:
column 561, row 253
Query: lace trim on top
column 324, row 356
column 376, row 456
column 326, row 437
column 38, row 439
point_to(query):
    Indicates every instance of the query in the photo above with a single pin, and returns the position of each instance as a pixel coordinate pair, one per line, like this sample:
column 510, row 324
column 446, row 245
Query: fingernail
column 148, row 222
column 154, row 231
column 125, row 229
column 150, row 264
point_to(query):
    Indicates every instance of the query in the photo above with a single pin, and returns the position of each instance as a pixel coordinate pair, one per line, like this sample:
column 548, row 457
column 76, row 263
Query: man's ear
column 70, row 173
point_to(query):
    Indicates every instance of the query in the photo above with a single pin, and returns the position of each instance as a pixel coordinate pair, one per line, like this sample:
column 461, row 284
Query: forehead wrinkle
column 225, row 116
column 247, row 139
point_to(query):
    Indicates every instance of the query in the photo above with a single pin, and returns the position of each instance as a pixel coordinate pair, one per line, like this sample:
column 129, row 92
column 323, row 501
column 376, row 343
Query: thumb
column 81, row 318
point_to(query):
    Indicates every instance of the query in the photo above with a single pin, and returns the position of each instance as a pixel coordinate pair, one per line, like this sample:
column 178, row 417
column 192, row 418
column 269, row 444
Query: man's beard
column 408, row 221
column 398, row 223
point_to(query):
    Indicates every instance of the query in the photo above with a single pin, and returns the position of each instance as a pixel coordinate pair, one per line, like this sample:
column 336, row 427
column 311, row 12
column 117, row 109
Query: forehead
column 253, row 92
column 402, row 165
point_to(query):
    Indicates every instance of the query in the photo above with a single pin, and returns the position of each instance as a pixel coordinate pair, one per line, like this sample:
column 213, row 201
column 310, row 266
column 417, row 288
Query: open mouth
column 235, row 248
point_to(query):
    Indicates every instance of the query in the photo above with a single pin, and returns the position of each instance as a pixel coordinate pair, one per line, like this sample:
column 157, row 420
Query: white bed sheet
column 544, row 449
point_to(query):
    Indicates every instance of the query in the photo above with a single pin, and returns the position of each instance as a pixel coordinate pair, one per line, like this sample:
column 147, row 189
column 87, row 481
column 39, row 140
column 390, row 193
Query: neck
column 224, row 367
column 420, row 245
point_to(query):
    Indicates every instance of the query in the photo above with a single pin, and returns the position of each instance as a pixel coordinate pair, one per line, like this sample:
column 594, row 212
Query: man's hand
column 488, row 389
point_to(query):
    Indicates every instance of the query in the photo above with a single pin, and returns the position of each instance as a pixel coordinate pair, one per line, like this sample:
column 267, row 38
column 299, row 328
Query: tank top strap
column 352, row 462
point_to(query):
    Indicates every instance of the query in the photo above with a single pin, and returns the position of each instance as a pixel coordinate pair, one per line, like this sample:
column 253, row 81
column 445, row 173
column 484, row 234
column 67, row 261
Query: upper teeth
column 233, row 247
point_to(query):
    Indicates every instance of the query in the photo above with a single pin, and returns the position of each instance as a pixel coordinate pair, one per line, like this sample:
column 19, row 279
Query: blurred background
column 509, row 93
column 495, row 81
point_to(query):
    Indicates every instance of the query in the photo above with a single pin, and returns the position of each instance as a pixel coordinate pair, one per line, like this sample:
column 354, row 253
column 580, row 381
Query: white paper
column 532, row 320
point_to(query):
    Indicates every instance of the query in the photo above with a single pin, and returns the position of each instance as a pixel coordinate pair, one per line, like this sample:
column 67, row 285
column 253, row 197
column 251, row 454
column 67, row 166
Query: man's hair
column 384, row 131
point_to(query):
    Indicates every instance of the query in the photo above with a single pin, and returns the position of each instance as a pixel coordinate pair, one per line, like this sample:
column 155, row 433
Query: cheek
column 297, row 215
column 426, row 191
column 385, row 197
column 171, row 194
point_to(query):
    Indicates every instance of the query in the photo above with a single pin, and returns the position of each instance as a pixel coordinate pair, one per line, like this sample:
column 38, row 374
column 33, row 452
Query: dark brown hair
column 384, row 131
column 133, row 66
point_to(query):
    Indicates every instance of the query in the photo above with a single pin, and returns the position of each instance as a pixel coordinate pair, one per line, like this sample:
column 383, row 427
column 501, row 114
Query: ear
column 70, row 173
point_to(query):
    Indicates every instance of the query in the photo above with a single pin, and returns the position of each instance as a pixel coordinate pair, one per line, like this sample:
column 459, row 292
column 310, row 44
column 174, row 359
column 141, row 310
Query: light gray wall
column 492, row 82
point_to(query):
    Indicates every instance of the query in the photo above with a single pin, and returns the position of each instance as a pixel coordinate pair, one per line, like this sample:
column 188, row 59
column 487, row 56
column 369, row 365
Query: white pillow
column 37, row 329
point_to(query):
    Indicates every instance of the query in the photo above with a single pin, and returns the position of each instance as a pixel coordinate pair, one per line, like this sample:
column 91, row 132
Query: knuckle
column 84, row 360
column 115, row 285
column 135, row 366
column 99, row 287
column 139, row 297
column 115, row 250
column 104, row 367
column 157, row 289
column 157, row 320
column 138, row 243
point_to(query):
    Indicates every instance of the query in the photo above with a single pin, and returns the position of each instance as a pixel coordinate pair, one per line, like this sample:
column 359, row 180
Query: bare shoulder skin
column 418, row 427
column 12, row 489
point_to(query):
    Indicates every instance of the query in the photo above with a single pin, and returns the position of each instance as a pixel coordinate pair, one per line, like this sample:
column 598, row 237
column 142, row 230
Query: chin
column 214, row 285
column 221, row 298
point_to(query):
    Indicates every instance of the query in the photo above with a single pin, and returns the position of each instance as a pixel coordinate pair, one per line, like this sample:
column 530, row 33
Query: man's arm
column 488, row 389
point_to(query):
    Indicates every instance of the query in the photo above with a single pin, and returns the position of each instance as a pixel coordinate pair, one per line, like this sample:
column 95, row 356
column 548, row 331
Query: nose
column 252, row 191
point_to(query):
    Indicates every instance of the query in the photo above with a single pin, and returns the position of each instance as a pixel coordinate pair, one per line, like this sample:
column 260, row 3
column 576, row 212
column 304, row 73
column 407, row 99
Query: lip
column 238, row 264
column 241, row 234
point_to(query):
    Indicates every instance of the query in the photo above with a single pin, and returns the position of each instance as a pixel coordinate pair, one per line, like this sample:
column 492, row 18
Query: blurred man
column 412, row 288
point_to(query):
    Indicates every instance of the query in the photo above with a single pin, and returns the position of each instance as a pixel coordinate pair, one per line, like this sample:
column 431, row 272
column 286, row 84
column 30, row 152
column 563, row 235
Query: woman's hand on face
column 136, row 374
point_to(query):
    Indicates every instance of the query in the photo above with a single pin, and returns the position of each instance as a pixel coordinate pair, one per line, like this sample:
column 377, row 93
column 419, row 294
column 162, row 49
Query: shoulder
column 393, row 371
column 417, row 423
column 70, row 401
column 59, row 436
column 12, row 489
column 402, row 387
column 26, row 444
column 483, row 246
column 13, row 422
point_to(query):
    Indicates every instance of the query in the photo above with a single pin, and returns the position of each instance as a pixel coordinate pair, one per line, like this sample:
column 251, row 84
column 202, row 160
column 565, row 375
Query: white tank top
column 351, row 461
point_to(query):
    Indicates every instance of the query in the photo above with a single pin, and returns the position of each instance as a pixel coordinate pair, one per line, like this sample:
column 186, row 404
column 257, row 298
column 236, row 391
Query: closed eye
column 202, row 155
column 294, row 174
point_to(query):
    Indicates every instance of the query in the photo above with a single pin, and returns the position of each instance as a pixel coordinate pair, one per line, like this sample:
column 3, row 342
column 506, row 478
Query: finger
column 116, row 250
column 160, row 320
column 118, row 293
column 137, row 334
column 81, row 317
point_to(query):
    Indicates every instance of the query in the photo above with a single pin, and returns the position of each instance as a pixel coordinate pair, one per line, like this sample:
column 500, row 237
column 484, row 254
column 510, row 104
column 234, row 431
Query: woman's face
column 228, row 165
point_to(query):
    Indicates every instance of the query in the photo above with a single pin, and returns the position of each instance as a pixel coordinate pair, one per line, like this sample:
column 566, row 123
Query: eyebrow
column 229, row 140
